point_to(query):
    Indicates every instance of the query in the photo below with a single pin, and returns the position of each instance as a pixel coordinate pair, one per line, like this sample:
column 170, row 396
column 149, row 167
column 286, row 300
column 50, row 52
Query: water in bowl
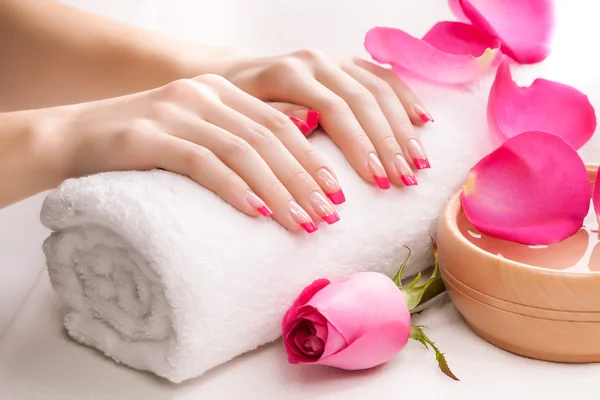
column 579, row 253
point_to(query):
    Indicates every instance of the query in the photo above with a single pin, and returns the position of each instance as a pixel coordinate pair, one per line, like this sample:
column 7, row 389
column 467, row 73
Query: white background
column 270, row 26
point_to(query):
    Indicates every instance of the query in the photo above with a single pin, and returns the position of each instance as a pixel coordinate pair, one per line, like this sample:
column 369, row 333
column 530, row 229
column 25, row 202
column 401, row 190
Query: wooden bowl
column 540, row 302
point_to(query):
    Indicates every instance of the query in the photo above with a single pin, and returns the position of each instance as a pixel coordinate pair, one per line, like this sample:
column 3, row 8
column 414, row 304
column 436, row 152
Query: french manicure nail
column 378, row 172
column 423, row 114
column 324, row 208
column 418, row 155
column 312, row 119
column 330, row 186
column 405, row 172
column 257, row 203
column 302, row 218
column 303, row 126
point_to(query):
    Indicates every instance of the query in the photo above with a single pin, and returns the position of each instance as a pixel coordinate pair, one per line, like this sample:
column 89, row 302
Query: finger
column 204, row 167
column 398, row 120
column 284, row 165
column 338, row 120
column 413, row 106
column 311, row 117
column 297, row 160
column 241, row 158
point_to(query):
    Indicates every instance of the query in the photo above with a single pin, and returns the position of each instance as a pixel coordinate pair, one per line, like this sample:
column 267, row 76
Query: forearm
column 31, row 159
column 53, row 54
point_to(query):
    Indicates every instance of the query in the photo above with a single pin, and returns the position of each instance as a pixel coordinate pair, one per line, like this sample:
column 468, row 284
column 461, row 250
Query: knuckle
column 195, row 157
column 300, row 178
column 310, row 156
column 286, row 66
column 390, row 142
column 212, row 80
column 361, row 95
column 377, row 86
column 335, row 103
column 277, row 121
column 311, row 55
column 238, row 146
column 278, row 189
column 161, row 110
column 404, row 127
column 259, row 136
column 178, row 89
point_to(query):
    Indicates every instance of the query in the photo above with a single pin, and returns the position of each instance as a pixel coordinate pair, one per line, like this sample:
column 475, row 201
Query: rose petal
column 523, row 26
column 596, row 196
column 543, row 106
column 365, row 304
column 304, row 297
column 405, row 52
column 456, row 9
column 460, row 39
column 302, row 345
column 372, row 349
column 335, row 341
column 534, row 190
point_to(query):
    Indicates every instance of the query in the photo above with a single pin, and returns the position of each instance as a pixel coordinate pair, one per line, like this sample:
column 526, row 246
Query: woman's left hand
column 365, row 108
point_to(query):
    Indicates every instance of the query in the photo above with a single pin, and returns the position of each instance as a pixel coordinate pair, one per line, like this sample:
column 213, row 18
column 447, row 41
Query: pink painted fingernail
column 423, row 114
column 302, row 218
column 418, row 154
column 324, row 208
column 312, row 119
column 404, row 170
column 330, row 186
column 257, row 203
column 409, row 180
column 303, row 126
column 378, row 171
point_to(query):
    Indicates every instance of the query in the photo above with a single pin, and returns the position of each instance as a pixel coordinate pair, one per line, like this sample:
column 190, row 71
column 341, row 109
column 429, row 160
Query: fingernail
column 418, row 155
column 330, row 186
column 322, row 207
column 257, row 203
column 405, row 172
column 378, row 172
column 302, row 218
column 303, row 126
column 423, row 114
column 312, row 119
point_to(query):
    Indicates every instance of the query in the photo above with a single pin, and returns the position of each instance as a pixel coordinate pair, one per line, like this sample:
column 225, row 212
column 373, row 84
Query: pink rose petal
column 460, row 39
column 405, row 52
column 544, row 106
column 524, row 26
column 364, row 304
column 596, row 196
column 370, row 350
column 533, row 190
column 304, row 297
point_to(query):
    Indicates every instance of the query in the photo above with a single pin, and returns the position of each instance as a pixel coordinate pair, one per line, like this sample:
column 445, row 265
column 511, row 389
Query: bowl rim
column 450, row 219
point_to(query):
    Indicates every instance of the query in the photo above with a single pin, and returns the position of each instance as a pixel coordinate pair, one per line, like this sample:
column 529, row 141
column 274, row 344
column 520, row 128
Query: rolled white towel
column 162, row 275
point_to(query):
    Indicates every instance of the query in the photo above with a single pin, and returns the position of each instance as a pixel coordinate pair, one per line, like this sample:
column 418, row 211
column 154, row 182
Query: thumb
column 305, row 119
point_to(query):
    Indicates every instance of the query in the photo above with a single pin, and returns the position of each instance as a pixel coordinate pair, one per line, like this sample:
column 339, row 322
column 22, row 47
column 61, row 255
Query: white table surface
column 265, row 26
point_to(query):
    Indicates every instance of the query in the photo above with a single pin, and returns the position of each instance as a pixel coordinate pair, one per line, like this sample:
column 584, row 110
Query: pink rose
column 357, row 322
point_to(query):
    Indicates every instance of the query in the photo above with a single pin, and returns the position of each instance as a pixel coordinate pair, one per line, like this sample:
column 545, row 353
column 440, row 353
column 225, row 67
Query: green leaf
column 435, row 289
column 416, row 333
column 400, row 273
column 413, row 294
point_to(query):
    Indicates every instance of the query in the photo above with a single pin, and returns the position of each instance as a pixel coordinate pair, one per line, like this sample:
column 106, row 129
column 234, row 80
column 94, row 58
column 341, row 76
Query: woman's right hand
column 245, row 151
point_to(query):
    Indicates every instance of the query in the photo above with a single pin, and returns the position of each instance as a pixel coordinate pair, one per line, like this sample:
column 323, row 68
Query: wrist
column 30, row 155
column 192, row 60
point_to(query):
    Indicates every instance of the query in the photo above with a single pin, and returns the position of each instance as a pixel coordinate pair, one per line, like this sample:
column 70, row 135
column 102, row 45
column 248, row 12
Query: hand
column 245, row 151
column 366, row 109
